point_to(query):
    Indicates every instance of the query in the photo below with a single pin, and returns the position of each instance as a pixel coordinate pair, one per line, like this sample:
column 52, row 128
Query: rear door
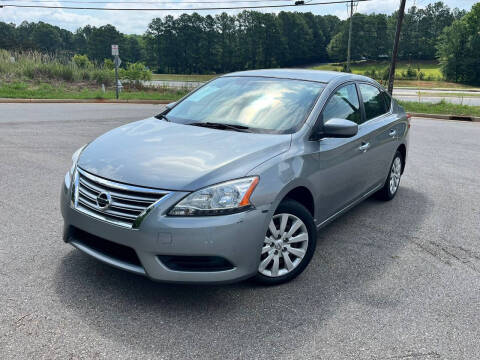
column 380, row 133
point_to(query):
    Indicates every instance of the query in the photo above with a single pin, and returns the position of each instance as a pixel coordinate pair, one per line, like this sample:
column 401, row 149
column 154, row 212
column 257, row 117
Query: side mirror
column 339, row 128
column 170, row 105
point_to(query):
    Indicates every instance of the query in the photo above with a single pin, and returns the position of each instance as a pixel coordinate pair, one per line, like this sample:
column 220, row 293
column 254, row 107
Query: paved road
column 397, row 280
column 467, row 98
column 173, row 83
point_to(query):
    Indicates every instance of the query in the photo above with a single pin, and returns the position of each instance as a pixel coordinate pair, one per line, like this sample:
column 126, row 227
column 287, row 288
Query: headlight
column 75, row 156
column 225, row 198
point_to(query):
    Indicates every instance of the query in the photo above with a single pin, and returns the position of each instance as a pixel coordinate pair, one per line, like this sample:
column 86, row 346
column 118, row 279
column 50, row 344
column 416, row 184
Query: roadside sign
column 114, row 50
column 117, row 61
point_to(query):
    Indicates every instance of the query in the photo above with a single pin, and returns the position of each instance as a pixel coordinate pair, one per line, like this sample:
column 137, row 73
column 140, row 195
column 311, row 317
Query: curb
column 81, row 101
column 446, row 117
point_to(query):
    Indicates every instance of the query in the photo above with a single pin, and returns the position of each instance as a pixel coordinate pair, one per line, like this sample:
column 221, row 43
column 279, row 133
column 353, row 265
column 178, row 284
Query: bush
column 135, row 72
column 84, row 75
column 103, row 76
column 411, row 72
column 371, row 73
column 82, row 61
column 385, row 74
column 108, row 64
column 345, row 69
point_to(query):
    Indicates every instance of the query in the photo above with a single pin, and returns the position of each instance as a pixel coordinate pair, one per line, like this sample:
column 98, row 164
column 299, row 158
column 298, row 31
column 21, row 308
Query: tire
column 390, row 188
column 297, row 238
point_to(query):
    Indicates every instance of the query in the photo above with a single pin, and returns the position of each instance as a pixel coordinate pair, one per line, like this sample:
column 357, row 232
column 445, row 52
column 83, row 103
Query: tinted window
column 259, row 103
column 373, row 101
column 343, row 105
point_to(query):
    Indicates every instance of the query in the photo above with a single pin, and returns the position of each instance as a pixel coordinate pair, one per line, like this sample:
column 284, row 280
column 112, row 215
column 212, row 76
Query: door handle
column 364, row 147
column 392, row 133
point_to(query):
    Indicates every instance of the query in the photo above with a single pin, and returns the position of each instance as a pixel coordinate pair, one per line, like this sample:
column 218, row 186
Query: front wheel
column 289, row 244
column 392, row 183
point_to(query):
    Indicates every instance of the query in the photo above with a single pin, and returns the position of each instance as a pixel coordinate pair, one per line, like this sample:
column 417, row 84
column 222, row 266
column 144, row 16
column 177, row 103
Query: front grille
column 126, row 202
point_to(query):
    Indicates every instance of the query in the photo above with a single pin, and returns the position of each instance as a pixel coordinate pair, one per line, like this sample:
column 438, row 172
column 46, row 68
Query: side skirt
column 348, row 207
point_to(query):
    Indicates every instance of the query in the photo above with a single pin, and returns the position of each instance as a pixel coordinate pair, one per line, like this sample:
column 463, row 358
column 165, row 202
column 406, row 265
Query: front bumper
column 237, row 238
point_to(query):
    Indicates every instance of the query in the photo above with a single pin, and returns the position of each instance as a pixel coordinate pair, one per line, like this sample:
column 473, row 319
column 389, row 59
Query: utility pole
column 117, row 61
column 391, row 77
column 350, row 37
column 116, row 81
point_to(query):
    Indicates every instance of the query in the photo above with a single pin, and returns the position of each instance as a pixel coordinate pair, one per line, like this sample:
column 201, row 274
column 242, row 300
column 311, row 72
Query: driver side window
column 343, row 104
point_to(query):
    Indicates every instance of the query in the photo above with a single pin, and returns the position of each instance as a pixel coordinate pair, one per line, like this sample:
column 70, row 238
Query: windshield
column 268, row 104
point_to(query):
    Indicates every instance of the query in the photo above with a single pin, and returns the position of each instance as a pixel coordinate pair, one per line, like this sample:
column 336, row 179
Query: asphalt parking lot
column 396, row 280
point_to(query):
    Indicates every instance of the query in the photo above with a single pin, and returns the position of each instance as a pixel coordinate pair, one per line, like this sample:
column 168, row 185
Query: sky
column 136, row 22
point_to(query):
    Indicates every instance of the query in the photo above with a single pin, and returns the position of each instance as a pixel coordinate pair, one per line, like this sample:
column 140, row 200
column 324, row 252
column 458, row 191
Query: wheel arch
column 302, row 195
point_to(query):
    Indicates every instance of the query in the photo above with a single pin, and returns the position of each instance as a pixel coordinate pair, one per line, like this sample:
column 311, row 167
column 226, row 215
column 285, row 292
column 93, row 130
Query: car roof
column 300, row 74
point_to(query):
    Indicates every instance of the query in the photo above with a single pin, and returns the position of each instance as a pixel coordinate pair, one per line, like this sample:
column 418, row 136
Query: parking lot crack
column 433, row 251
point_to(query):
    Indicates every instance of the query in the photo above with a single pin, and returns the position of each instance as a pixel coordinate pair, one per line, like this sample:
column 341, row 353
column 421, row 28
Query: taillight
column 409, row 116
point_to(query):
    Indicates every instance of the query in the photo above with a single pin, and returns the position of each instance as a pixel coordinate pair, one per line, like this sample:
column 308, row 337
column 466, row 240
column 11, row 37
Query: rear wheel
column 289, row 244
column 392, row 183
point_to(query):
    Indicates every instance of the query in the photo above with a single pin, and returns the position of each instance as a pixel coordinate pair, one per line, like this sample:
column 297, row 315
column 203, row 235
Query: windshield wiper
column 162, row 116
column 222, row 126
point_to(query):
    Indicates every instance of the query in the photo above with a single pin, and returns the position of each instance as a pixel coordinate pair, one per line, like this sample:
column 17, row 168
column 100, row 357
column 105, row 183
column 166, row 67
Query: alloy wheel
column 285, row 245
column 395, row 174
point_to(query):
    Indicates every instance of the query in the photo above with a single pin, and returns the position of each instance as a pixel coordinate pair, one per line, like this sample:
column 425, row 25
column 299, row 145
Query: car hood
column 159, row 154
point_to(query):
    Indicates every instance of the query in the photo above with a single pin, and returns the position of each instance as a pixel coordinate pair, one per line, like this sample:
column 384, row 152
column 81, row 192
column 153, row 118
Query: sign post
column 117, row 63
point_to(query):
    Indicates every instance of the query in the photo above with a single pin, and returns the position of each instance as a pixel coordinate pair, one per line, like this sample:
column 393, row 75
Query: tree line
column 192, row 43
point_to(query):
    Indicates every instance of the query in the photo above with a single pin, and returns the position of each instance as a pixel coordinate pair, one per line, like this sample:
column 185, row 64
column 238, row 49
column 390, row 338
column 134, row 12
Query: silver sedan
column 234, row 180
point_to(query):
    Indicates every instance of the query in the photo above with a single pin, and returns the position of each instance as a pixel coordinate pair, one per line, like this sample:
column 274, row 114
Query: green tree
column 192, row 43
column 133, row 50
column 7, row 39
column 459, row 48
column 226, row 28
column 99, row 42
column 298, row 38
column 46, row 38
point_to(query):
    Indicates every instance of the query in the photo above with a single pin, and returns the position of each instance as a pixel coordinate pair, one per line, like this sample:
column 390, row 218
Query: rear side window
column 343, row 104
column 373, row 101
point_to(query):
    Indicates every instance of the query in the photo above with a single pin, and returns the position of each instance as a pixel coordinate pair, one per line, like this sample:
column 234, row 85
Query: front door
column 341, row 177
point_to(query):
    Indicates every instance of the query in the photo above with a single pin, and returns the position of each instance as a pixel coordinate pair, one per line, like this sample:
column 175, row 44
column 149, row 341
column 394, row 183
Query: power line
column 143, row 2
column 175, row 9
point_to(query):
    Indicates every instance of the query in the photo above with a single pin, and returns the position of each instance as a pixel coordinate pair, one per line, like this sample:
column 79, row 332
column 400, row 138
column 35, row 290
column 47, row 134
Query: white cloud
column 137, row 21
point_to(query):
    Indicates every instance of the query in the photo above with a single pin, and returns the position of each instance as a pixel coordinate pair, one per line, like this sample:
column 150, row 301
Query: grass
column 441, row 108
column 24, row 90
column 428, row 68
column 18, row 66
column 180, row 77
column 432, row 75
column 432, row 85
